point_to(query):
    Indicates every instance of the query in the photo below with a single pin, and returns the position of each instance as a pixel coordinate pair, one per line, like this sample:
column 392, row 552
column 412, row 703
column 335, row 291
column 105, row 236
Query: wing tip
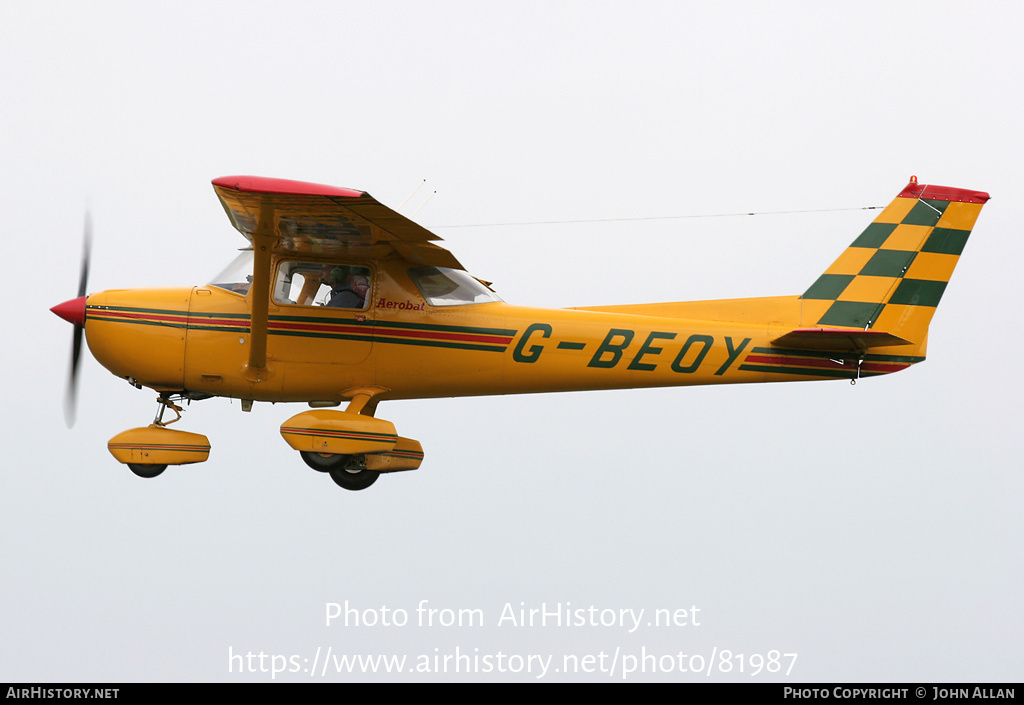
column 263, row 184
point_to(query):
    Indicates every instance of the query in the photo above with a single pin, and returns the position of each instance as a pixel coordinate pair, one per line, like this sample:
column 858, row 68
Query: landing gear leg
column 165, row 403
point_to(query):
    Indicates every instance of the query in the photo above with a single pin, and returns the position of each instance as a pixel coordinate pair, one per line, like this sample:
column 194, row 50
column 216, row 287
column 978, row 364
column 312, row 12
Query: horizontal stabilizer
column 837, row 339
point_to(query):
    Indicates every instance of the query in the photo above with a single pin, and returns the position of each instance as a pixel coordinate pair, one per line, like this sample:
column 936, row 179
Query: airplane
column 337, row 299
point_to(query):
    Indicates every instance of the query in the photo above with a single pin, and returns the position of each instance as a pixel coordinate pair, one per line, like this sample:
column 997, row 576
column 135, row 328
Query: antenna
column 411, row 194
column 424, row 203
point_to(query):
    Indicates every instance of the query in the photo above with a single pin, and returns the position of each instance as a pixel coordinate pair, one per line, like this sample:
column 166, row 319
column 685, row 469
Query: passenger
column 348, row 288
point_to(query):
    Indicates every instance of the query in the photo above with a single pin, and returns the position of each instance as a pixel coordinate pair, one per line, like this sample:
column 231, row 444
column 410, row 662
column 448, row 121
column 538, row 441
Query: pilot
column 325, row 273
column 348, row 288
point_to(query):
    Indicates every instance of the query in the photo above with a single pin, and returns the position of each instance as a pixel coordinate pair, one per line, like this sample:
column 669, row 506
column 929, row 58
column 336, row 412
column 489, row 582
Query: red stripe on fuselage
column 388, row 332
column 825, row 363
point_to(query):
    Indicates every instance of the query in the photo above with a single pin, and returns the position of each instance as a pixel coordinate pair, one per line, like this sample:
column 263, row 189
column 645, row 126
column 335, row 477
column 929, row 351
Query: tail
column 887, row 284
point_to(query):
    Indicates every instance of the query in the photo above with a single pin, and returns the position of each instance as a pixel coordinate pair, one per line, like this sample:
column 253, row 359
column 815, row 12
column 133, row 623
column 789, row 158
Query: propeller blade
column 71, row 394
column 83, row 277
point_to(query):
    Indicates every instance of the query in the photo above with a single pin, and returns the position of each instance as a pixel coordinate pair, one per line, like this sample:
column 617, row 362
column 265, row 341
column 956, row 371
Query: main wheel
column 146, row 470
column 354, row 479
column 324, row 462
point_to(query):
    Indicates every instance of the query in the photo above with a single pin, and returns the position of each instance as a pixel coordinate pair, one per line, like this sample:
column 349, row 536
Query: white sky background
column 874, row 530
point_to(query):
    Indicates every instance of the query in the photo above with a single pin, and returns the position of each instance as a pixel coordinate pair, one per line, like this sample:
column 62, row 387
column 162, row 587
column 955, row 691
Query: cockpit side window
column 318, row 284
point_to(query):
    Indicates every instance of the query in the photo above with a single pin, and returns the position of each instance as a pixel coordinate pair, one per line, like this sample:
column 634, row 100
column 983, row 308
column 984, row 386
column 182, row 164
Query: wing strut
column 259, row 295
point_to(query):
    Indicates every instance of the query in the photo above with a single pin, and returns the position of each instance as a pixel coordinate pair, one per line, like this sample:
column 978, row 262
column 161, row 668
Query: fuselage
column 196, row 340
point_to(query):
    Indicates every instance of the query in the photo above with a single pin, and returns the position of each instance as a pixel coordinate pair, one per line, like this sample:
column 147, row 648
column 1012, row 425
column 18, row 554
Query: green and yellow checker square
column 868, row 289
column 918, row 292
column 906, row 237
column 934, row 266
column 896, row 211
column 852, row 261
column 854, row 314
column 888, row 263
column 828, row 287
column 960, row 216
column 946, row 240
column 911, row 321
column 874, row 235
column 925, row 212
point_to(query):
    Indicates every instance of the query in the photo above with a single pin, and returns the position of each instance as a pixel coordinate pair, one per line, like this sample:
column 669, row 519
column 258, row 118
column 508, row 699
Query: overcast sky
column 874, row 531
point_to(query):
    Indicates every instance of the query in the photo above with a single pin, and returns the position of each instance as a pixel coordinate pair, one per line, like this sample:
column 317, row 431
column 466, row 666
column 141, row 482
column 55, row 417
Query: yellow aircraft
column 340, row 299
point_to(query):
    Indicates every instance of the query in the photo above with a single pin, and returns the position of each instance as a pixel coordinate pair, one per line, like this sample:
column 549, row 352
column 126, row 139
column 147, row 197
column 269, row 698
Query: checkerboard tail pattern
column 892, row 277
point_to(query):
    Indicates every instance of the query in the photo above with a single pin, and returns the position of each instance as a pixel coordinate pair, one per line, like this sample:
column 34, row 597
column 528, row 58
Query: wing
column 294, row 217
column 312, row 219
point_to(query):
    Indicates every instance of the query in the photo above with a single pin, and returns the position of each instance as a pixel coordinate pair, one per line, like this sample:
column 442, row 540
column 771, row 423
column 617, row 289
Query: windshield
column 442, row 286
column 237, row 276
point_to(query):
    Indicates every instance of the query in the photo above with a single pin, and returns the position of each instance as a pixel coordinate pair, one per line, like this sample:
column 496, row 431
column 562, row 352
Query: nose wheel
column 146, row 471
column 149, row 450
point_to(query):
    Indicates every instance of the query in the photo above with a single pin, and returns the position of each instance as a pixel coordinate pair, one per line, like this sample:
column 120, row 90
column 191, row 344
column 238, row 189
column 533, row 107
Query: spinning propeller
column 73, row 312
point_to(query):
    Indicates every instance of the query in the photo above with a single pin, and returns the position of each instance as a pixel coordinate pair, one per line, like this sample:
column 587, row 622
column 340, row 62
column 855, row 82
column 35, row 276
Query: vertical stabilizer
column 892, row 277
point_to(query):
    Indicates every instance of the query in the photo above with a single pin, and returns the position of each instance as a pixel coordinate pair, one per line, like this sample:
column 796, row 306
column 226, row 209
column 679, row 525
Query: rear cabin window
column 441, row 286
